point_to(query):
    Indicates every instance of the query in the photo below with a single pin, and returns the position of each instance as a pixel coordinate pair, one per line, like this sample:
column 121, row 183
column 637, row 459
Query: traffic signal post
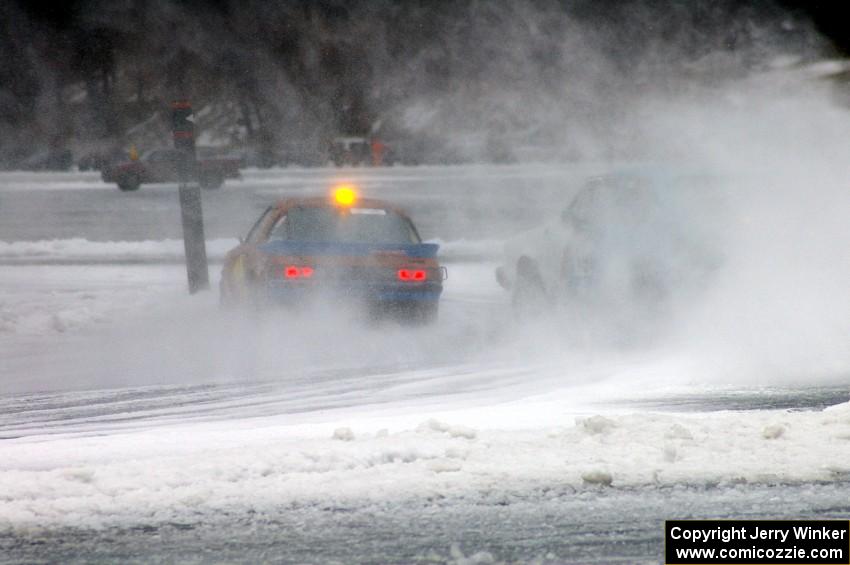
column 191, row 211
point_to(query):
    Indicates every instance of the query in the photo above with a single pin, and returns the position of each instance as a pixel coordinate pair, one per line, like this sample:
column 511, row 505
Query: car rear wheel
column 529, row 298
column 129, row 182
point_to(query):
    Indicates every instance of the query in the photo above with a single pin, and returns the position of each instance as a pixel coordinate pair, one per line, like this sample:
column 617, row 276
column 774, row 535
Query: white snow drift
column 177, row 473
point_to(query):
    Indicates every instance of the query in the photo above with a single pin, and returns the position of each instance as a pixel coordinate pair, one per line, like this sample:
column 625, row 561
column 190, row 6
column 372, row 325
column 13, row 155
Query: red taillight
column 295, row 272
column 412, row 275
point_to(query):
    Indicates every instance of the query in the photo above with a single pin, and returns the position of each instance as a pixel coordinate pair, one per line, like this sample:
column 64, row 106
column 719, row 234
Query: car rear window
column 356, row 225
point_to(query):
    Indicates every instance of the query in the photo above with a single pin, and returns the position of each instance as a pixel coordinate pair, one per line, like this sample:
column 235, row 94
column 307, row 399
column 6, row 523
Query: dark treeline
column 92, row 73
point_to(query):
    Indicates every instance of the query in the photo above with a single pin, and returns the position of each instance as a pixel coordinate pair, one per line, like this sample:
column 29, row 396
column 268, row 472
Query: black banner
column 762, row 542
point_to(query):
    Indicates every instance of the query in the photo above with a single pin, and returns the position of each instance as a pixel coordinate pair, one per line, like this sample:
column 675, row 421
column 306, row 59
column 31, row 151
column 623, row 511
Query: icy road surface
column 137, row 422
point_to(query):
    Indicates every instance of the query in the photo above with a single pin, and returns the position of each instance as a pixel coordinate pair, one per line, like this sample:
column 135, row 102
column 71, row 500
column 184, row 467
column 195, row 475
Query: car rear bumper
column 286, row 292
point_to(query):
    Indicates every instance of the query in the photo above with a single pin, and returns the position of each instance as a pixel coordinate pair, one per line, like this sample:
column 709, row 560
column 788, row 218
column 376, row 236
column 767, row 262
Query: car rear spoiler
column 318, row 248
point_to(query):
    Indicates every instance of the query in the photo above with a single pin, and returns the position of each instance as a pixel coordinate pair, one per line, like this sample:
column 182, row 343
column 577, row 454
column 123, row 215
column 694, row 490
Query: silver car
column 625, row 247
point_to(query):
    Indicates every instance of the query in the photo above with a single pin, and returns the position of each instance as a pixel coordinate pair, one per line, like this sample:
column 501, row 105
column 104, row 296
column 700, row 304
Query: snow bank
column 169, row 474
column 28, row 181
column 79, row 249
column 49, row 300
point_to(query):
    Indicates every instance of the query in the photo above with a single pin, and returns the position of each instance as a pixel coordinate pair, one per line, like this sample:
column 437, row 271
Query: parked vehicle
column 351, row 151
column 163, row 165
column 97, row 160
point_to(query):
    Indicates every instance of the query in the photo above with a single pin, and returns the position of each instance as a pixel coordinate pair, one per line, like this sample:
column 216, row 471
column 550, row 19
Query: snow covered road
column 125, row 403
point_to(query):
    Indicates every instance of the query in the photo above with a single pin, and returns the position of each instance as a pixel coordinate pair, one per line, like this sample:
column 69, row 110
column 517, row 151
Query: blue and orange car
column 339, row 248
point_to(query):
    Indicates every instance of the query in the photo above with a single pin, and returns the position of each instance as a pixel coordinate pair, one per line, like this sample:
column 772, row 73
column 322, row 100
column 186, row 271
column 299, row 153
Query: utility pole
column 191, row 211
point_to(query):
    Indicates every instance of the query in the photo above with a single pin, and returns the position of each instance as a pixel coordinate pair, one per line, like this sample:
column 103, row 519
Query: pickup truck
column 162, row 165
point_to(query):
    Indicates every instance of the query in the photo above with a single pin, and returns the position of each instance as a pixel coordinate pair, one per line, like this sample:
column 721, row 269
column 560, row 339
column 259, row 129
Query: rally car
column 623, row 249
column 339, row 248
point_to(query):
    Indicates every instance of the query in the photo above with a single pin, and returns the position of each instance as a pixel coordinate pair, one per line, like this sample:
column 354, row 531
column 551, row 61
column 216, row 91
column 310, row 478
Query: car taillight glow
column 296, row 272
column 416, row 275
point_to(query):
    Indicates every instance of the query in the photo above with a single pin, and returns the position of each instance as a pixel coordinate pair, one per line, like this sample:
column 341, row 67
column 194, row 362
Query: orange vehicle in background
column 378, row 149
